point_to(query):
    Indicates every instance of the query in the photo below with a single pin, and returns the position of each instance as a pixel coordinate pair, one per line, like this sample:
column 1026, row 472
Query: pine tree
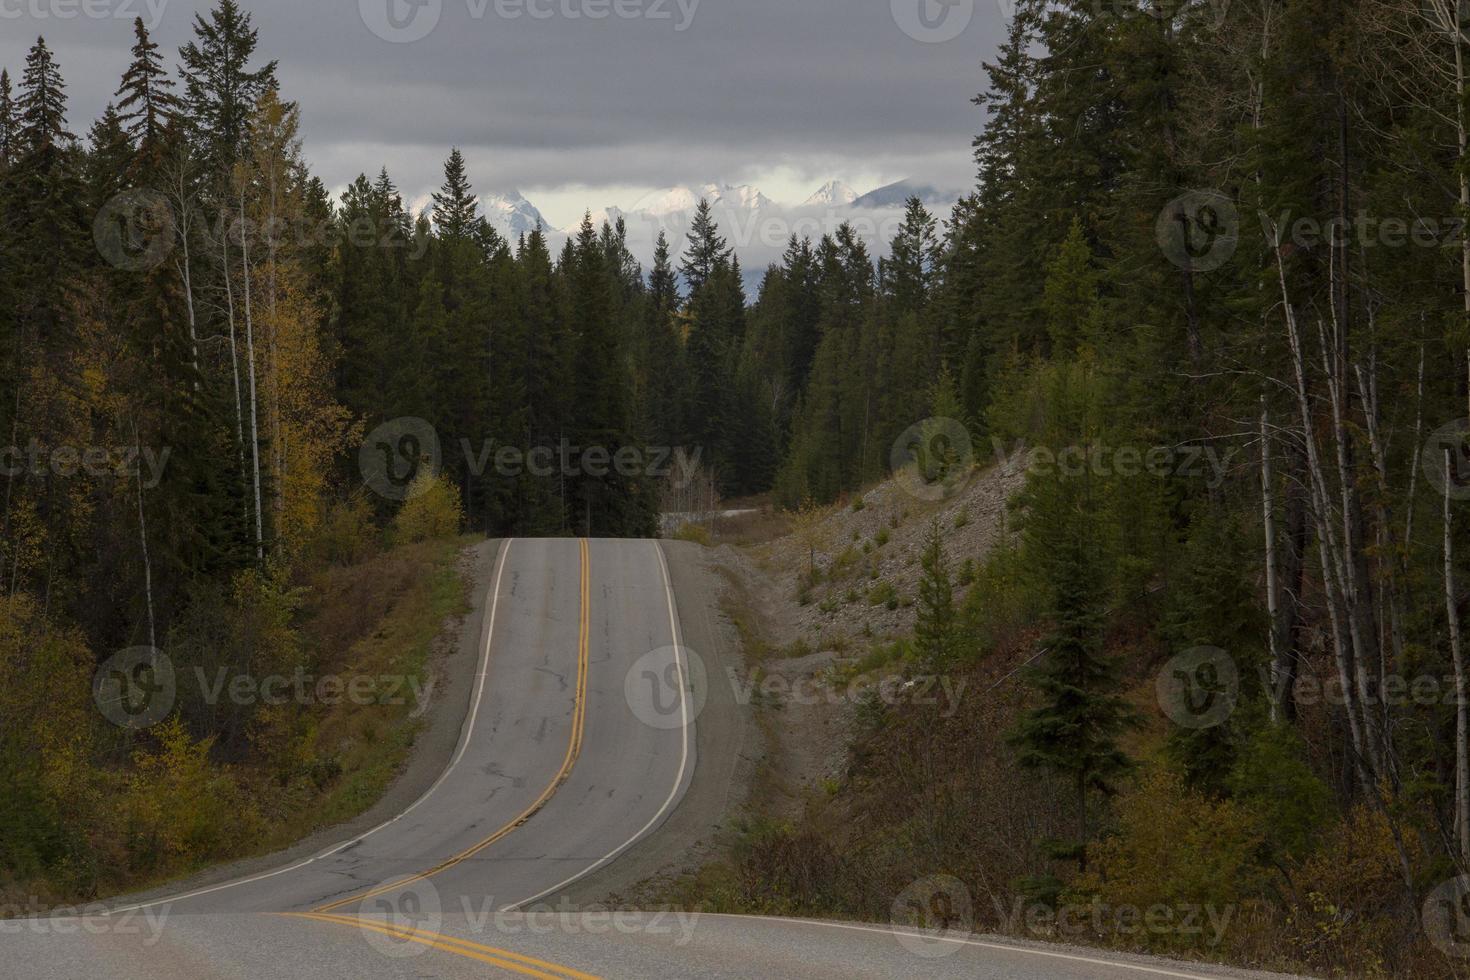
column 598, row 408
column 107, row 160
column 221, row 91
column 936, row 635
column 47, row 201
column 705, row 249
column 909, row 272
column 9, row 123
column 455, row 207
column 1073, row 731
column 42, row 107
column 1070, row 301
column 663, row 355
column 662, row 283
column 146, row 103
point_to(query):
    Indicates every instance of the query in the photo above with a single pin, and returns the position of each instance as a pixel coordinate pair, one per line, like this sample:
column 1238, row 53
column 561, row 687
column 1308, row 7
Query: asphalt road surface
column 578, row 744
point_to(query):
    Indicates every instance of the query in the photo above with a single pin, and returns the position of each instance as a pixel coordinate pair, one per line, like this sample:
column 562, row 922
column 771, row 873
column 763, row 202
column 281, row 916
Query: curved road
column 578, row 743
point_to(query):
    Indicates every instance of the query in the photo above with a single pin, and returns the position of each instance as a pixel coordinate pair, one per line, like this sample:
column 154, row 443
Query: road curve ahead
column 578, row 743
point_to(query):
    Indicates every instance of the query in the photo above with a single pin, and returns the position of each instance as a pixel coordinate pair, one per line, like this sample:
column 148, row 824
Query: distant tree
column 9, row 122
column 455, row 207
column 936, row 636
column 705, row 249
column 1070, row 300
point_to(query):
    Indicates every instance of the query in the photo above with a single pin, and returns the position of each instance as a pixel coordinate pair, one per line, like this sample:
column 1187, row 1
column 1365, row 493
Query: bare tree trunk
column 1268, row 520
column 1329, row 550
column 1293, row 576
column 1462, row 710
column 143, row 535
column 235, row 361
column 250, row 354
column 184, row 213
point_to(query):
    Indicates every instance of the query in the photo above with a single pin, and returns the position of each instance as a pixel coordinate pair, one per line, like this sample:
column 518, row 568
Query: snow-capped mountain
column 754, row 225
column 674, row 200
column 608, row 215
column 897, row 194
column 511, row 214
column 741, row 196
column 834, row 193
column 684, row 200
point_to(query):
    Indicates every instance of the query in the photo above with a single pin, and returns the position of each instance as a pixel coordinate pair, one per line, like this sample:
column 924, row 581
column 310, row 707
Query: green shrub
column 883, row 594
column 697, row 533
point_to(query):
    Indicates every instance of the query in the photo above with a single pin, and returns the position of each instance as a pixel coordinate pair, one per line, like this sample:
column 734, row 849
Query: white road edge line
column 1091, row 960
column 683, row 755
column 464, row 743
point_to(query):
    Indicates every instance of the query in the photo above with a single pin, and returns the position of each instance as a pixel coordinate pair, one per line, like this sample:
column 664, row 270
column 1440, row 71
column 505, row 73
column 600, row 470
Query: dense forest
column 1201, row 232
column 1233, row 229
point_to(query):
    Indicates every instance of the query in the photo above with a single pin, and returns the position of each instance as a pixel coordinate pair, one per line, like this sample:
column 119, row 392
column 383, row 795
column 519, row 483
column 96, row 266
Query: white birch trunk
column 250, row 355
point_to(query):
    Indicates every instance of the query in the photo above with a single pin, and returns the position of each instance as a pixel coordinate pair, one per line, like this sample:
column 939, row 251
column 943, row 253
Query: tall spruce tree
column 221, row 89
column 9, row 122
column 146, row 101
column 936, row 635
column 456, row 209
column 704, row 250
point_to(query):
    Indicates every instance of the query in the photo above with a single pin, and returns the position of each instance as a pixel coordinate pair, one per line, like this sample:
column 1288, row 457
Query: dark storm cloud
column 543, row 93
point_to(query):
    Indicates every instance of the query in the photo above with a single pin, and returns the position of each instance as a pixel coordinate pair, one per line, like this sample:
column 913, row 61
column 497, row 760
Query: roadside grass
column 422, row 588
column 325, row 763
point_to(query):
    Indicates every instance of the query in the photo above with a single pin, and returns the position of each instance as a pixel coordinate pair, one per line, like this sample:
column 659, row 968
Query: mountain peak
column 832, row 193
column 511, row 214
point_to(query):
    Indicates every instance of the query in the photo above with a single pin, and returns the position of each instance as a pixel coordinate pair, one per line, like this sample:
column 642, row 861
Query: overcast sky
column 578, row 110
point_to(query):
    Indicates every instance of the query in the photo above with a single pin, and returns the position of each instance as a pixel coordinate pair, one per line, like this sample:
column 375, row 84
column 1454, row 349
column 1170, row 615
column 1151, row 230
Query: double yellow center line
column 574, row 749
column 494, row 956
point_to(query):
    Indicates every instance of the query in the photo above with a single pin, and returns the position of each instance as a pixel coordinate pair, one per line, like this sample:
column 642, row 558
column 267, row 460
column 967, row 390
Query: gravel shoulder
column 728, row 747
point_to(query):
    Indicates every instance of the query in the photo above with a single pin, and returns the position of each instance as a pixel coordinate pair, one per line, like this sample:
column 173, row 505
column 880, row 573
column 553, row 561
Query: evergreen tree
column 706, row 248
column 9, row 123
column 936, row 635
column 221, row 90
column 910, row 271
column 455, row 207
column 108, row 159
column 1073, row 732
column 663, row 352
column 47, row 203
column 146, row 103
column 1070, row 301
column 41, row 109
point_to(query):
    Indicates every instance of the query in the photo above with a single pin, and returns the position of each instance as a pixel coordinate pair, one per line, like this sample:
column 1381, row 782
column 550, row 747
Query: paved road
column 578, row 744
